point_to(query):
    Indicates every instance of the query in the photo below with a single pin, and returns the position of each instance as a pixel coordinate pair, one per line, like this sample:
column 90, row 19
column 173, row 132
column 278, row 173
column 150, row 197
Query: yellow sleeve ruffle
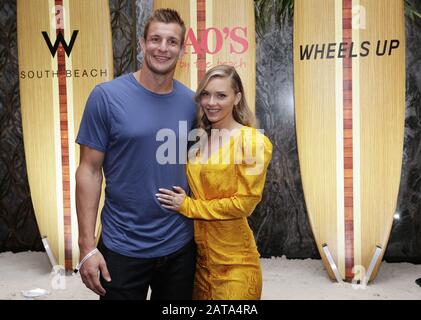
column 251, row 175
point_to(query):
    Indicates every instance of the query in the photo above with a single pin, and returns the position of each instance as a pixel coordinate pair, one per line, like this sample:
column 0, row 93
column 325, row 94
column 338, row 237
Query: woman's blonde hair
column 241, row 112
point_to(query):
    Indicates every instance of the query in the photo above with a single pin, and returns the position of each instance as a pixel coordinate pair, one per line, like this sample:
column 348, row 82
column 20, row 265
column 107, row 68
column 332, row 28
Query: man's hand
column 90, row 271
column 171, row 200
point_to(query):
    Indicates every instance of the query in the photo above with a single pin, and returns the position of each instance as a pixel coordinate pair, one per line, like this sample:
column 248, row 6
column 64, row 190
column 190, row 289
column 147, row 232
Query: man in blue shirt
column 143, row 245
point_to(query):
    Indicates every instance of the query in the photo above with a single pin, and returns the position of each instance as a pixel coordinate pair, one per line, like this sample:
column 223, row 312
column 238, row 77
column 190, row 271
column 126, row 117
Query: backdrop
column 280, row 222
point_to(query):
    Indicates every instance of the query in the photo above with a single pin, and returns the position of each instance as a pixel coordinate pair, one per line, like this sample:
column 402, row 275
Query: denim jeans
column 169, row 277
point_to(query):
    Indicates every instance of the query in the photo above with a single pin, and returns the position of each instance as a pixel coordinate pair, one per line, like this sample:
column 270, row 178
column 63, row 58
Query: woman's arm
column 249, row 193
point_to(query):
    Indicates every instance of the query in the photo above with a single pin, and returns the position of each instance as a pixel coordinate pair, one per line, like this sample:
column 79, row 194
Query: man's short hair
column 166, row 15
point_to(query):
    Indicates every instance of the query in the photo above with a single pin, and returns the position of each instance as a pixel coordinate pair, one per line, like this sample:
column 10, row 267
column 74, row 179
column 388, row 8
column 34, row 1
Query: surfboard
column 218, row 32
column 64, row 49
column 349, row 88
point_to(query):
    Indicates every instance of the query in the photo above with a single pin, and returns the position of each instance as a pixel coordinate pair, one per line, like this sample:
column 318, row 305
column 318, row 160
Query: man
column 142, row 244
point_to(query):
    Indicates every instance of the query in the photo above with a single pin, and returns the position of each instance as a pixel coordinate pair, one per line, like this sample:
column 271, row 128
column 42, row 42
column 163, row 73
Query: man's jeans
column 170, row 277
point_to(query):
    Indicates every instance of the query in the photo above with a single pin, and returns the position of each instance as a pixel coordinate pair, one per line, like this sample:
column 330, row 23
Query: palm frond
column 411, row 11
column 266, row 9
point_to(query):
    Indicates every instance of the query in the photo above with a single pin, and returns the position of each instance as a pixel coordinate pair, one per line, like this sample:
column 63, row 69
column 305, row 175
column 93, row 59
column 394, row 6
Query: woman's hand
column 171, row 200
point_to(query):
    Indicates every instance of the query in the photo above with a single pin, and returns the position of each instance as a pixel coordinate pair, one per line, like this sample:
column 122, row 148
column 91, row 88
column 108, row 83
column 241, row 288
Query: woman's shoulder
column 254, row 136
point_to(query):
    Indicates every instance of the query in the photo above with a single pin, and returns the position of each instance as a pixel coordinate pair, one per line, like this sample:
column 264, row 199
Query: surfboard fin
column 332, row 263
column 49, row 252
column 373, row 263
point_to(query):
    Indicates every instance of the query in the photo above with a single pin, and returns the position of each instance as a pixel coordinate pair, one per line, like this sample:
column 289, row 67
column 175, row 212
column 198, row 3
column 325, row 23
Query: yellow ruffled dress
column 225, row 190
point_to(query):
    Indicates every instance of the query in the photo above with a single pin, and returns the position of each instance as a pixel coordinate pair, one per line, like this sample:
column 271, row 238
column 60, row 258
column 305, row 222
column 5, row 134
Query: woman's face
column 217, row 100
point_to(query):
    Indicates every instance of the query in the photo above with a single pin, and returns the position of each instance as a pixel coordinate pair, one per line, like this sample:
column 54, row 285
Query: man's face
column 162, row 47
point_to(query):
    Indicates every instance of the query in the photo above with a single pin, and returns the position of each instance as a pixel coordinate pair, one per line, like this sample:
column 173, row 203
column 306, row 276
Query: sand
column 283, row 279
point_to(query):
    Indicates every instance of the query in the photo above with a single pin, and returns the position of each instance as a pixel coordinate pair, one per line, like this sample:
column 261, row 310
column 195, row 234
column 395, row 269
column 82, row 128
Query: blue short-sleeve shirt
column 144, row 138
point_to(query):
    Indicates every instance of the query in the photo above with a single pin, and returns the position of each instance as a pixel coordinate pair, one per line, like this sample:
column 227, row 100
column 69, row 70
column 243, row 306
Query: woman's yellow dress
column 225, row 190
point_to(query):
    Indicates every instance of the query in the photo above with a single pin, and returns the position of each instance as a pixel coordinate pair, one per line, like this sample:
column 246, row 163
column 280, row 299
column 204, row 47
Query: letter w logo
column 60, row 39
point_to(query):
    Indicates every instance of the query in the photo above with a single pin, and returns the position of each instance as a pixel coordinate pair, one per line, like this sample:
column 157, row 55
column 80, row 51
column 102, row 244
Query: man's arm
column 88, row 192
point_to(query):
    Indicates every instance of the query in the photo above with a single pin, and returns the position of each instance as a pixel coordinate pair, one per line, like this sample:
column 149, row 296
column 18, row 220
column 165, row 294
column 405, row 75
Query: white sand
column 307, row 279
column 282, row 279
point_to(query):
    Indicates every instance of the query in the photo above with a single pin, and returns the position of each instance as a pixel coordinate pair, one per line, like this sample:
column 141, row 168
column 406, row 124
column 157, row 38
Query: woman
column 226, row 177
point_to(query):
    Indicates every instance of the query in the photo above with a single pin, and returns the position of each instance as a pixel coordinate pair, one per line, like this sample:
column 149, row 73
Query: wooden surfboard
column 64, row 49
column 218, row 32
column 350, row 107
